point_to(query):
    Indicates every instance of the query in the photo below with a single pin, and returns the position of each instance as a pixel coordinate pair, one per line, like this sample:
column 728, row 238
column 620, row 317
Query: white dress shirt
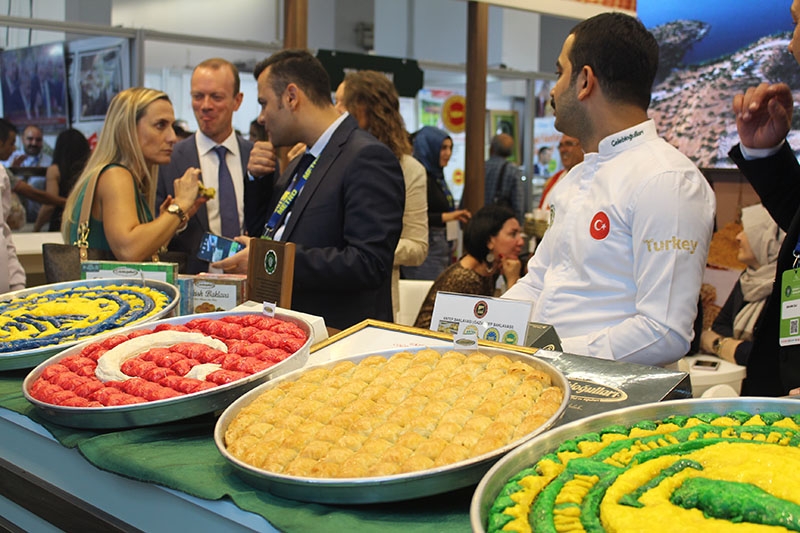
column 209, row 166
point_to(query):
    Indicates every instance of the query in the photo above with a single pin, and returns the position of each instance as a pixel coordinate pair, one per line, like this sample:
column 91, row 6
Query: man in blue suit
column 343, row 211
column 215, row 96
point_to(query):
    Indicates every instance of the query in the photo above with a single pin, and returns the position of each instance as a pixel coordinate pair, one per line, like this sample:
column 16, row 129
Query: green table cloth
column 183, row 456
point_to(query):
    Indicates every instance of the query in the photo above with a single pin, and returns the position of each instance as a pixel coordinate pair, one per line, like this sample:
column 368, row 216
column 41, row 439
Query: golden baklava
column 385, row 416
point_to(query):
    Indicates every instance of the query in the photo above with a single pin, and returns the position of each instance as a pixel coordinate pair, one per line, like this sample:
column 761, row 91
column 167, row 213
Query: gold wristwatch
column 176, row 210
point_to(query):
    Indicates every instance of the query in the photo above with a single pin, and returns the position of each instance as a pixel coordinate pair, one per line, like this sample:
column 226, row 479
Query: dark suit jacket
column 346, row 223
column 256, row 195
column 773, row 370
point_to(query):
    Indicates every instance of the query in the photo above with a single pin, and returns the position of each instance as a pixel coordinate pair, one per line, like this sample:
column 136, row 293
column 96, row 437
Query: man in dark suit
column 347, row 217
column 764, row 119
column 215, row 96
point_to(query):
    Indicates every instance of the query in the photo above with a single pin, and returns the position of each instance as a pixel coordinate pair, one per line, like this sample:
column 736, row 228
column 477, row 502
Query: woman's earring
column 490, row 258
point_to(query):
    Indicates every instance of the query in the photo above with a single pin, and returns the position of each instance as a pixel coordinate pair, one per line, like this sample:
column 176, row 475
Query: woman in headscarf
column 433, row 148
column 731, row 334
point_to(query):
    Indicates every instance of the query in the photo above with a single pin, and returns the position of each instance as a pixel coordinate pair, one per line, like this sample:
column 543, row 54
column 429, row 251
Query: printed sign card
column 492, row 319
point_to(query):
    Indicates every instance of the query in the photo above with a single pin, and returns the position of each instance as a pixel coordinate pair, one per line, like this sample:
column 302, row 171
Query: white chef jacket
column 619, row 271
column 12, row 275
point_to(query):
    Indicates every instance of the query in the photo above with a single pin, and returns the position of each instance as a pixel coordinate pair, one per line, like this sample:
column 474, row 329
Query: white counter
column 29, row 252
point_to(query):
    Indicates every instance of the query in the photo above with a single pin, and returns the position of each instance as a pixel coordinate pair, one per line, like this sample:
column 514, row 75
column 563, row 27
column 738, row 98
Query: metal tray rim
column 30, row 358
column 108, row 417
column 530, row 452
column 378, row 489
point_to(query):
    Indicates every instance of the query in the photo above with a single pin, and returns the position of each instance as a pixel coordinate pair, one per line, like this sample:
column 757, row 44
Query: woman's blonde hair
column 118, row 143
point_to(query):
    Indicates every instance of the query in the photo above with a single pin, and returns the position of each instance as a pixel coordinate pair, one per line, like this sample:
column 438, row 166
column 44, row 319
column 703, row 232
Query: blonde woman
column 137, row 137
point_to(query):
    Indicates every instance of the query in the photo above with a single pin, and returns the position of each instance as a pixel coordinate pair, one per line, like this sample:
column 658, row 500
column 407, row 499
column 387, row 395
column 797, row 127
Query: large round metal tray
column 31, row 358
column 530, row 452
column 157, row 412
column 379, row 489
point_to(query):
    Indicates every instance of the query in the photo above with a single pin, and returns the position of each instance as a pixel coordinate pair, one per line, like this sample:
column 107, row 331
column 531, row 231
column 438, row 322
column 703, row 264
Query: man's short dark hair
column 622, row 54
column 302, row 69
column 6, row 127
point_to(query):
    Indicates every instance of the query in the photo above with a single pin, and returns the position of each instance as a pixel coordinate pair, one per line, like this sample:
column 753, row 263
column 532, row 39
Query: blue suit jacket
column 346, row 223
column 256, row 195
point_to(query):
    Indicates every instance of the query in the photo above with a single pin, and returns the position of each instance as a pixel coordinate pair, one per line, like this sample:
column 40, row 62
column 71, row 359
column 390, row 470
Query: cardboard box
column 167, row 272
column 600, row 385
column 206, row 293
column 542, row 336
column 185, row 285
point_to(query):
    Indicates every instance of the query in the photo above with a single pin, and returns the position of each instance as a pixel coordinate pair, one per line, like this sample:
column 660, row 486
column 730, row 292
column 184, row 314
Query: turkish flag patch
column 599, row 227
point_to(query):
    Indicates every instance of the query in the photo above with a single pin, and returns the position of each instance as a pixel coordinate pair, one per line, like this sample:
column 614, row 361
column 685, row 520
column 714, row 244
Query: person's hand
column 763, row 115
column 296, row 150
column 462, row 215
column 262, row 159
column 510, row 267
column 186, row 189
column 795, row 392
column 237, row 263
column 18, row 160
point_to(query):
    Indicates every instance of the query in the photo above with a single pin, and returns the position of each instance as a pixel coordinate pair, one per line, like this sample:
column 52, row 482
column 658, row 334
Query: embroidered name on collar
column 625, row 138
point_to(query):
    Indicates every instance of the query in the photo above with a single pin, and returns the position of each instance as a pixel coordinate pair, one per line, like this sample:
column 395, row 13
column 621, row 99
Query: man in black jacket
column 764, row 118
column 341, row 203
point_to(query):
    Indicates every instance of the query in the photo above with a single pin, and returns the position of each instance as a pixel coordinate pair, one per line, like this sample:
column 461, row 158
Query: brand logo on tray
column 589, row 391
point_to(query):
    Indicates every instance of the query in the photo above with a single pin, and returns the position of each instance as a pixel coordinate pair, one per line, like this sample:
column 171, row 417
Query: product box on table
column 205, row 293
column 166, row 272
column 599, row 385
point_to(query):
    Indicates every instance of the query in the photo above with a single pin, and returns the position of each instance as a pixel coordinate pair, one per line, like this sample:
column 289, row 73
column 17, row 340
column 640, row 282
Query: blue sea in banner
column 734, row 23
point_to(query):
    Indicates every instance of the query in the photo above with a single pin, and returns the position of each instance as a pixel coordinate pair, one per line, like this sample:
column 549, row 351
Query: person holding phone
column 246, row 168
column 136, row 137
column 215, row 248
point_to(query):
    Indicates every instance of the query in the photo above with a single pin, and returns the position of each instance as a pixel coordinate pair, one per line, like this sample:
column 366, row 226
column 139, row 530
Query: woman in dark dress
column 493, row 241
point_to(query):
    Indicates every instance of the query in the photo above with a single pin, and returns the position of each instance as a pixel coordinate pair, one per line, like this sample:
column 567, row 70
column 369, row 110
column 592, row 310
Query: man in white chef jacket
column 619, row 271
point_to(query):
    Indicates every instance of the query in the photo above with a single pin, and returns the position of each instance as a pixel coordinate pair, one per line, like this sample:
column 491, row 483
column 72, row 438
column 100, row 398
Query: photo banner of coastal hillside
column 707, row 55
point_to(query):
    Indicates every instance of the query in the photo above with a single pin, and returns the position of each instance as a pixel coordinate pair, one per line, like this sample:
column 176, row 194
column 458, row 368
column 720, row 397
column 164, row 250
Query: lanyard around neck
column 286, row 201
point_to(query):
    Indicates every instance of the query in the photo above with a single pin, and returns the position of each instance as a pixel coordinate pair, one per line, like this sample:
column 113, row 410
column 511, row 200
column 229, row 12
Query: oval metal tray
column 171, row 409
column 379, row 489
column 31, row 358
column 529, row 453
